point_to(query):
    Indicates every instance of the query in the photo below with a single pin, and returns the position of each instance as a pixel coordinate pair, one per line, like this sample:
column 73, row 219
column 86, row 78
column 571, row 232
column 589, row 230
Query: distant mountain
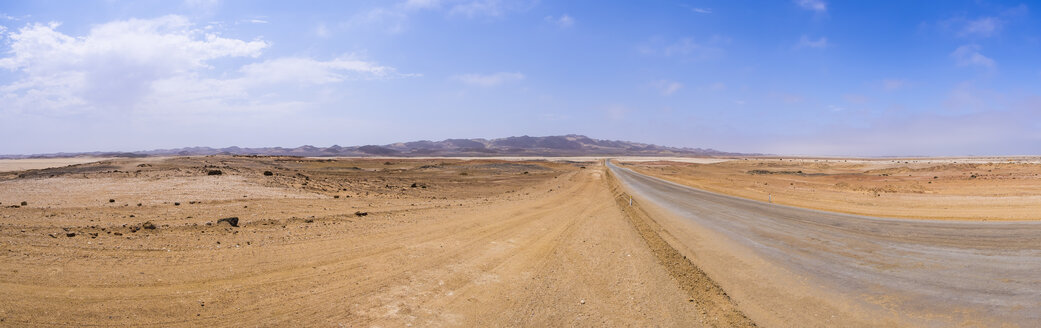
column 567, row 145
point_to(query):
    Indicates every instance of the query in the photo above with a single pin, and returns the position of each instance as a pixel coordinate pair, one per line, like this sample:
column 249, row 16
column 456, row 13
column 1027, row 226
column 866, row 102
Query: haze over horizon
column 804, row 77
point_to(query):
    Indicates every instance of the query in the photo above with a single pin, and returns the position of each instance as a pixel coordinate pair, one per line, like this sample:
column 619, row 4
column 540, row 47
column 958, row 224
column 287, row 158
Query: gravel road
column 855, row 270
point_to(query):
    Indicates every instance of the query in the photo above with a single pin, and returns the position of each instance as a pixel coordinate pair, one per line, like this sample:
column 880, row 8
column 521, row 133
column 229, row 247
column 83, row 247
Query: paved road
column 986, row 272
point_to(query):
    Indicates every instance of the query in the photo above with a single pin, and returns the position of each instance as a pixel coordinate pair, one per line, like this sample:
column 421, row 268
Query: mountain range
column 566, row 145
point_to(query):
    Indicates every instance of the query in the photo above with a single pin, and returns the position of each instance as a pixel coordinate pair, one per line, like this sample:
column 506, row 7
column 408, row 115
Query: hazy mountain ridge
column 566, row 145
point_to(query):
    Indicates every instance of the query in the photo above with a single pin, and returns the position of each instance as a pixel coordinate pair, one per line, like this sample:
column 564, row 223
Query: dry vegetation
column 948, row 189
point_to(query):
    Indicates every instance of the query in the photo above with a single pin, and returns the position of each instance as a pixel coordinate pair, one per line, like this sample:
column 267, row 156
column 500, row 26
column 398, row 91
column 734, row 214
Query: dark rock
column 269, row 173
column 176, row 204
column 25, row 203
column 232, row 221
column 148, row 225
column 70, row 234
column 214, row 172
column 360, row 213
column 111, row 200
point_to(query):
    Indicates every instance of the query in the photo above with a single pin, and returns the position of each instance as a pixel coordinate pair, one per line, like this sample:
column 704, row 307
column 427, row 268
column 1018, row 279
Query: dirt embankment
column 711, row 300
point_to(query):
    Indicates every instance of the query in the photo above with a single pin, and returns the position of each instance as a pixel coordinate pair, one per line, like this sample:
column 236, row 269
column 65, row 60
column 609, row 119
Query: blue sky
column 805, row 77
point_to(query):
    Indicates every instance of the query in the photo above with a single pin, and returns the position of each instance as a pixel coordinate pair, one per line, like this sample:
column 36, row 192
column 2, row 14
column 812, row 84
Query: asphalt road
column 933, row 273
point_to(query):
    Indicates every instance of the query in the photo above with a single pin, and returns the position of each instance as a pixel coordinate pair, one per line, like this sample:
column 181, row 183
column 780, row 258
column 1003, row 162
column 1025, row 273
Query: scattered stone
column 232, row 221
column 360, row 213
column 138, row 204
column 25, row 203
column 131, row 215
column 117, row 233
column 336, row 196
column 70, row 234
column 414, row 185
column 52, row 235
column 148, row 225
column 269, row 173
column 176, row 204
column 214, row 172
column 111, row 200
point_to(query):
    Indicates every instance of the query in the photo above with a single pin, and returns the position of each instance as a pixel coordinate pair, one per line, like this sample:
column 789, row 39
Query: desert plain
column 278, row 241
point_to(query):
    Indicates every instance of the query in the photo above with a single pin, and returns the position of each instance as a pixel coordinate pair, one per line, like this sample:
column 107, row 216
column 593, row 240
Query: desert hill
column 566, row 145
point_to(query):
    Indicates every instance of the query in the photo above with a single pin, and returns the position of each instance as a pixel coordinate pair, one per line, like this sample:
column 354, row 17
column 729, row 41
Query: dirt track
column 493, row 247
column 788, row 266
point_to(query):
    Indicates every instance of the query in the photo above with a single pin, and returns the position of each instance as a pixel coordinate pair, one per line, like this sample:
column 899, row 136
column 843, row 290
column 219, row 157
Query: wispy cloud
column 489, row 80
column 701, row 10
column 667, row 87
column 982, row 27
column 806, row 42
column 969, row 55
column 894, row 84
column 488, row 8
column 818, row 6
column 395, row 18
column 563, row 21
column 686, row 48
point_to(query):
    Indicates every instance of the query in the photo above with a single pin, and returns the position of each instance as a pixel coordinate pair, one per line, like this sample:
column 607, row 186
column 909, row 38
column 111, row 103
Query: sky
column 803, row 77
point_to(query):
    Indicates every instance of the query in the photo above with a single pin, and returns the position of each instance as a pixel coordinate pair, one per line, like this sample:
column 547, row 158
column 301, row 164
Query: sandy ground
column 1000, row 188
column 7, row 165
column 350, row 242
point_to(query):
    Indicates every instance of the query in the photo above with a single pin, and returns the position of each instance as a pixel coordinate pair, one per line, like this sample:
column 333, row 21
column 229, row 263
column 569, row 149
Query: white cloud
column 258, row 21
column 667, row 87
column 815, row 5
column 145, row 64
column 488, row 80
column 564, row 21
column 701, row 10
column 969, row 55
column 806, row 42
column 982, row 27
